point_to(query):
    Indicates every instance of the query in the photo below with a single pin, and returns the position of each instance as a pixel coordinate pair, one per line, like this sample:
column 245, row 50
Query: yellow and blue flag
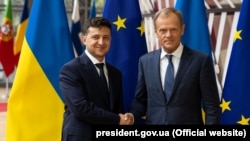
column 196, row 34
column 35, row 106
column 21, row 29
column 236, row 92
column 128, row 42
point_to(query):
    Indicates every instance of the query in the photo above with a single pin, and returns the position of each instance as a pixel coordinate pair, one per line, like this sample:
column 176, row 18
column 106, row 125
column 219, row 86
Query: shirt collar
column 93, row 59
column 176, row 53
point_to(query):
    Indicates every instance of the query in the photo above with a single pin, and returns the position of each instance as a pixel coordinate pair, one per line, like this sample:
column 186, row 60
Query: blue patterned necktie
column 169, row 77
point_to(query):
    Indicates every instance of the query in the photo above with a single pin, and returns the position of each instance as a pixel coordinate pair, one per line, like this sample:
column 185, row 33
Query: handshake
column 126, row 119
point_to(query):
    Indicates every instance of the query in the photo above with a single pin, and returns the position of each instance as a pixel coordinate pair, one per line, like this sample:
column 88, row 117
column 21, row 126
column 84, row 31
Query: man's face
column 97, row 41
column 169, row 30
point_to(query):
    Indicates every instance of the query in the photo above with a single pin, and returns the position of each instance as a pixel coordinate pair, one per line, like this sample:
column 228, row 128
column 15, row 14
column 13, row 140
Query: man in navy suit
column 193, row 83
column 90, row 100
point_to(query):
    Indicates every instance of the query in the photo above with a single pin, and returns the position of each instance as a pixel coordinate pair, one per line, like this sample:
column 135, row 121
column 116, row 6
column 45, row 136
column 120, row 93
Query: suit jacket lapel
column 91, row 69
column 156, row 65
column 185, row 60
column 154, row 61
column 111, row 94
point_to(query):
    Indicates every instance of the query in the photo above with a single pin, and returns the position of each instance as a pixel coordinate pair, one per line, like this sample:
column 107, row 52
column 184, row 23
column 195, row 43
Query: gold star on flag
column 237, row 35
column 244, row 121
column 120, row 23
column 141, row 28
column 225, row 105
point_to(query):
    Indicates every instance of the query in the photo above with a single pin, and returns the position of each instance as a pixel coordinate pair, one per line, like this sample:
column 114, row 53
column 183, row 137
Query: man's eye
column 162, row 31
column 106, row 38
column 95, row 37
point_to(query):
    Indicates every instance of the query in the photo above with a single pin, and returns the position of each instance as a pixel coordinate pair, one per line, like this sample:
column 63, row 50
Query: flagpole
column 7, row 87
column 6, row 94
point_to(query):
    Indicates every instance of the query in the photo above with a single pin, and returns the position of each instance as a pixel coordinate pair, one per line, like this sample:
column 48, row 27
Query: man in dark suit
column 191, row 78
column 89, row 98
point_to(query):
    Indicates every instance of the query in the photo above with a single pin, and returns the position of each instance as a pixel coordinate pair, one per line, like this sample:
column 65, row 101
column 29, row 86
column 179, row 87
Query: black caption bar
column 148, row 132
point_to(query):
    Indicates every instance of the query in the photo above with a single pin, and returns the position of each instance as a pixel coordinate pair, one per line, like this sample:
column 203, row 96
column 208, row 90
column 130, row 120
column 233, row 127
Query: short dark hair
column 166, row 11
column 96, row 22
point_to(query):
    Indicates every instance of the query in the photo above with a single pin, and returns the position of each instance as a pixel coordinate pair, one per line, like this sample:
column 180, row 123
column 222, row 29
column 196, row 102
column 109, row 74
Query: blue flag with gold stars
column 236, row 93
column 128, row 42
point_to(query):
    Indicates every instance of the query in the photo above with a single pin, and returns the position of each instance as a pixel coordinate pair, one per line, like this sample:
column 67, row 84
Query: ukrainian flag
column 21, row 29
column 196, row 35
column 35, row 106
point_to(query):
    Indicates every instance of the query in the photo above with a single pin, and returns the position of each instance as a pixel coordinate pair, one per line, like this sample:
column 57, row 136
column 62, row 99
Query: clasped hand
column 126, row 119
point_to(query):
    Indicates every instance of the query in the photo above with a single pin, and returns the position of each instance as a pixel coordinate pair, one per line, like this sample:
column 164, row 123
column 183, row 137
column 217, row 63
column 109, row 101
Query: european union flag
column 128, row 42
column 35, row 106
column 236, row 93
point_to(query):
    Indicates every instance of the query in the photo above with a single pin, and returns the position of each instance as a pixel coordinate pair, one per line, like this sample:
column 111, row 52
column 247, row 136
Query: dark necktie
column 102, row 75
column 169, row 77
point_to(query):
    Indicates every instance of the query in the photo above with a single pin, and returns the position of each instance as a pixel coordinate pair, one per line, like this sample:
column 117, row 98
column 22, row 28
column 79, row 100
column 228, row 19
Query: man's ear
column 183, row 28
column 156, row 35
column 83, row 38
